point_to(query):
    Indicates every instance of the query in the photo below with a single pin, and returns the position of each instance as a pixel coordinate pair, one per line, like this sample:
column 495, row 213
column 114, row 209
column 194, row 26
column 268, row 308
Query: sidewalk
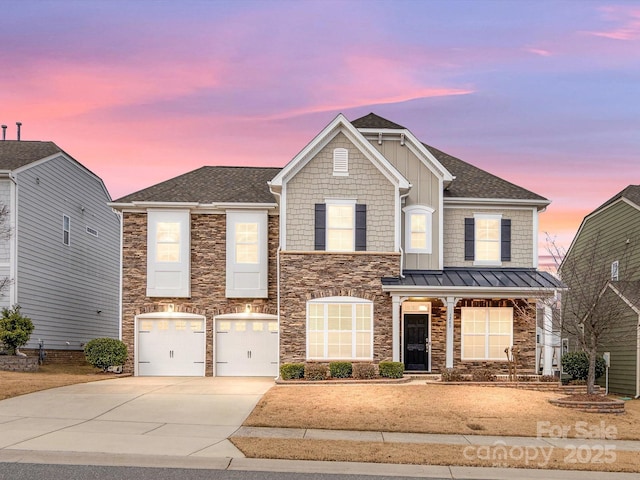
column 397, row 437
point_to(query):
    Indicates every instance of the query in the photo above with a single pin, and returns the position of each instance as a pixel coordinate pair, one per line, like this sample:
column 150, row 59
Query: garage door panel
column 247, row 348
column 171, row 347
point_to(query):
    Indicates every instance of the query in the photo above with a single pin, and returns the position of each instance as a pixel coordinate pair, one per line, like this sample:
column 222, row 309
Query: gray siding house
column 604, row 261
column 62, row 258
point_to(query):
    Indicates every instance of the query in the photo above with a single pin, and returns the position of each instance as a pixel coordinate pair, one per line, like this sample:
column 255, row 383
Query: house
column 62, row 257
column 367, row 246
column 602, row 270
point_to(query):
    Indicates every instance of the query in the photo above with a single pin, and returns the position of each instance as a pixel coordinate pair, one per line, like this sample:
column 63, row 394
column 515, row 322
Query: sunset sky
column 543, row 93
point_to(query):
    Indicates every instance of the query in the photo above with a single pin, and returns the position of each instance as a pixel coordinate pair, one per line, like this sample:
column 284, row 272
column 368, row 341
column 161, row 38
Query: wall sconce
column 423, row 308
column 170, row 307
column 247, row 308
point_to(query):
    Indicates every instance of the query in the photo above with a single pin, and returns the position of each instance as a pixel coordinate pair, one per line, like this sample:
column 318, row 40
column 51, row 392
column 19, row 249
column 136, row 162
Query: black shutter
column 361, row 228
column 320, row 226
column 469, row 239
column 505, row 240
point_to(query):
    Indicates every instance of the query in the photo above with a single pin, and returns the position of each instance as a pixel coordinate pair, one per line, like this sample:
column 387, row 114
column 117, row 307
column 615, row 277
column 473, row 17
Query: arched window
column 340, row 328
column 418, row 237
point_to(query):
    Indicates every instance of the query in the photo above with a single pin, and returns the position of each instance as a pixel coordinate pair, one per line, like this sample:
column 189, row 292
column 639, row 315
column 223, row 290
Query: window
column 340, row 162
column 247, row 243
column 92, row 231
column 418, row 229
column 615, row 270
column 340, row 328
column 487, row 239
column 247, row 262
column 340, row 226
column 168, row 242
column 66, row 230
column 486, row 332
column 168, row 259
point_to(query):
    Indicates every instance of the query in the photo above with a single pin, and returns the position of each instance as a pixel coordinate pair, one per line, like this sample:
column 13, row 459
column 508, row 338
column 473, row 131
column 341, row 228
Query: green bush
column 364, row 371
column 105, row 352
column 391, row 369
column 483, row 375
column 340, row 369
column 576, row 364
column 291, row 371
column 452, row 375
column 316, row 371
column 15, row 329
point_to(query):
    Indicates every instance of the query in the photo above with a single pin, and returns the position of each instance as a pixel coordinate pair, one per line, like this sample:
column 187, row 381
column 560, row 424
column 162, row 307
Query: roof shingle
column 15, row 154
column 372, row 120
column 211, row 185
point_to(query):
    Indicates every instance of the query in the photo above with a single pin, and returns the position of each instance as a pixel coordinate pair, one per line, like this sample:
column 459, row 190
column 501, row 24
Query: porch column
column 451, row 303
column 547, row 336
column 395, row 332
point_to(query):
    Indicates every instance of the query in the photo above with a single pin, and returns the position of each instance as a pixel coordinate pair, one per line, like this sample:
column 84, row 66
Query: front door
column 416, row 341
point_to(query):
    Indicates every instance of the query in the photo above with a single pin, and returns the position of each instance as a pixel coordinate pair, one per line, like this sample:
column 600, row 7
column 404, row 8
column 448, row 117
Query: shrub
column 105, row 352
column 483, row 375
column 391, row 369
column 340, row 369
column 316, row 371
column 526, row 378
column 364, row 371
column 291, row 371
column 576, row 364
column 452, row 375
column 549, row 378
column 15, row 329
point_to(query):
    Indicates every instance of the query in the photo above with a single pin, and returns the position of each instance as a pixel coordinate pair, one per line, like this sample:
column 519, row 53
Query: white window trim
column 486, row 335
column 340, row 162
column 428, row 212
column 487, row 216
column 615, row 271
column 66, row 240
column 258, row 271
column 353, row 301
column 335, row 201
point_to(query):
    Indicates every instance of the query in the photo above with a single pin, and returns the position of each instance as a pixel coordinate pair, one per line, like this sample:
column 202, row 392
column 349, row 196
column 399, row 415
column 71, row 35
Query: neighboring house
column 63, row 254
column 367, row 246
column 604, row 261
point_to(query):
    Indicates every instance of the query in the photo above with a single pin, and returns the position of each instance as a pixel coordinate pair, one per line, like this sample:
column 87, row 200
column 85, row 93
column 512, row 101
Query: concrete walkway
column 186, row 423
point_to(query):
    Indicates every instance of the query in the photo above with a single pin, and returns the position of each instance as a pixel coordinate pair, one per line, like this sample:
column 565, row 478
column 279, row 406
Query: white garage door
column 171, row 347
column 247, row 348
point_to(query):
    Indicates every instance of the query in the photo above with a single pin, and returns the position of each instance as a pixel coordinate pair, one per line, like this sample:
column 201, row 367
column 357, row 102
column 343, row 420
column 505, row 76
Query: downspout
column 402, row 197
column 121, row 219
column 278, row 277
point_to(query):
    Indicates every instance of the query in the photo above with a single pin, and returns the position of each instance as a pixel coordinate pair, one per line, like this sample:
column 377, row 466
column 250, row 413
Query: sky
column 545, row 94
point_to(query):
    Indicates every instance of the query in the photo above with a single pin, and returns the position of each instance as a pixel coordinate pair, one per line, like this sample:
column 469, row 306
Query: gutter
column 279, row 195
column 638, row 361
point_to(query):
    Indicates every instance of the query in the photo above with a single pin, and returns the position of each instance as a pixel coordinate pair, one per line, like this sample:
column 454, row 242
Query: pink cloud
column 627, row 20
column 539, row 51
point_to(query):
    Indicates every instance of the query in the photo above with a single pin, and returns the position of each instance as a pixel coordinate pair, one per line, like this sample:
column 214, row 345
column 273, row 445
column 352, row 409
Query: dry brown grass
column 452, row 409
column 423, row 454
column 48, row 376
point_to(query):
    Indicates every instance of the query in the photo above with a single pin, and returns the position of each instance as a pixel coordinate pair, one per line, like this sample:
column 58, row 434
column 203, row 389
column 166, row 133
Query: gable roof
column 208, row 185
column 631, row 193
column 473, row 182
column 372, row 120
column 17, row 153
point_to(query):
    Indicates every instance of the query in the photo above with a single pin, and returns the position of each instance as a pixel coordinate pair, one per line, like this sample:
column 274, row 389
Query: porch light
column 247, row 308
column 423, row 308
column 170, row 307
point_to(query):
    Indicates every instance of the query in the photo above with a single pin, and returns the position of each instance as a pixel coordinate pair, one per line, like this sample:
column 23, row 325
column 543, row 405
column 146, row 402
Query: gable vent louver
column 340, row 161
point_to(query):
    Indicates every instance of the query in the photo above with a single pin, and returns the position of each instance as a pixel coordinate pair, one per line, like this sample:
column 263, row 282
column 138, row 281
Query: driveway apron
column 173, row 416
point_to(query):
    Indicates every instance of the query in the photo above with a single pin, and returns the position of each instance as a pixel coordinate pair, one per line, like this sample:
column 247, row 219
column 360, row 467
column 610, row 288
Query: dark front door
column 416, row 341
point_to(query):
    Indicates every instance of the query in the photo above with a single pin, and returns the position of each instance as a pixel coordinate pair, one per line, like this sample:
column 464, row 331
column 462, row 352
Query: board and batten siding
column 70, row 292
column 315, row 183
column 5, row 243
column 425, row 190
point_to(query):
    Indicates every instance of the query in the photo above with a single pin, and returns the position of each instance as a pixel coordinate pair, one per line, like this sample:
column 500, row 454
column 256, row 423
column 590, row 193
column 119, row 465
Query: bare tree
column 594, row 306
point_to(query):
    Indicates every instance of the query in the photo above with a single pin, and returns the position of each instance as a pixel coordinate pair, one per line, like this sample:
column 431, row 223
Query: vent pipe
column 4, row 132
column 19, row 124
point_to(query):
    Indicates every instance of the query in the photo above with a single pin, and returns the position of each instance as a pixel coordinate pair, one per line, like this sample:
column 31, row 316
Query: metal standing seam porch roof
column 490, row 280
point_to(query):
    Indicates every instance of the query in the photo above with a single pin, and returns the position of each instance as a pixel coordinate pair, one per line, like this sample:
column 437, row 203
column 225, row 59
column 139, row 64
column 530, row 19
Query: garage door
column 247, row 348
column 171, row 347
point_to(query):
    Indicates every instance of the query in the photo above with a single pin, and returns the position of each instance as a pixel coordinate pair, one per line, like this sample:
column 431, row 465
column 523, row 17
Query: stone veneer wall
column 524, row 336
column 521, row 236
column 208, row 277
column 309, row 275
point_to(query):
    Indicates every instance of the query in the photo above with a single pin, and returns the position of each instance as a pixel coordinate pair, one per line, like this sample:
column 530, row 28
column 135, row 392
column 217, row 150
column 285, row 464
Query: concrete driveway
column 133, row 415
